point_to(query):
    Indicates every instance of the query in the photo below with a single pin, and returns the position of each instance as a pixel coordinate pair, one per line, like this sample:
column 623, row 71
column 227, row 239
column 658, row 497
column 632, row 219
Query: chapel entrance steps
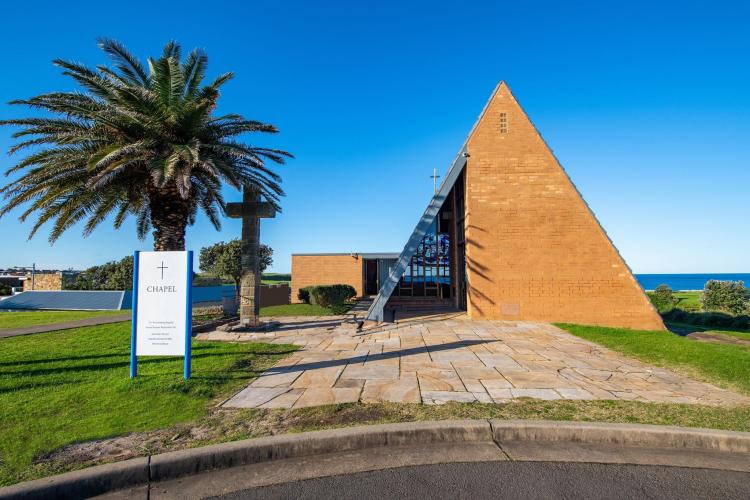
column 412, row 308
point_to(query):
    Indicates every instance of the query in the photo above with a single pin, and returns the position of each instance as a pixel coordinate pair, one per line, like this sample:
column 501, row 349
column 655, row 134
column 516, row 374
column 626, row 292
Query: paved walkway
column 454, row 359
column 97, row 320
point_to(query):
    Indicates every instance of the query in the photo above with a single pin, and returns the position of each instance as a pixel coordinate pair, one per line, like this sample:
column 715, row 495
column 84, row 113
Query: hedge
column 326, row 295
column 725, row 320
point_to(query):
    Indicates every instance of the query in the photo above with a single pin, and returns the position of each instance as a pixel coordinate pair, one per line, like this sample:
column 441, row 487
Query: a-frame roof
column 376, row 310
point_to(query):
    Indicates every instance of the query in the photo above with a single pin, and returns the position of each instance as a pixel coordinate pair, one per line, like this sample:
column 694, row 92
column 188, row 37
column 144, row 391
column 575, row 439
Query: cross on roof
column 434, row 178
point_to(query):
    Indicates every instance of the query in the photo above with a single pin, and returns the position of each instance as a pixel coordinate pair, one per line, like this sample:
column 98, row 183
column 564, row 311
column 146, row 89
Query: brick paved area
column 453, row 359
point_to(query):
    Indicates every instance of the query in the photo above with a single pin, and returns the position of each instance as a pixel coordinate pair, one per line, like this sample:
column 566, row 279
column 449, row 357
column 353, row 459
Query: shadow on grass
column 126, row 362
column 67, row 358
column 689, row 322
column 24, row 387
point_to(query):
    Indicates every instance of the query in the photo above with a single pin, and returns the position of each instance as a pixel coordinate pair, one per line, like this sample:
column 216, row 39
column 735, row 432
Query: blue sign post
column 162, row 307
column 189, row 315
column 134, row 320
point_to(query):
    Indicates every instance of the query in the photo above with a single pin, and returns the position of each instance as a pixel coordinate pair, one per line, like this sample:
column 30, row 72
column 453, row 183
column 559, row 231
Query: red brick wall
column 534, row 249
column 308, row 270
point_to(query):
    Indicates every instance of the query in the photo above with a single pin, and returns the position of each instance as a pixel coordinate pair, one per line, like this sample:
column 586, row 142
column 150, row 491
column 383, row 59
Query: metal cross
column 434, row 178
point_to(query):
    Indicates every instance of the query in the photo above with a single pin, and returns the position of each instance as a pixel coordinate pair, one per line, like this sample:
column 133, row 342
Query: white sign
column 162, row 302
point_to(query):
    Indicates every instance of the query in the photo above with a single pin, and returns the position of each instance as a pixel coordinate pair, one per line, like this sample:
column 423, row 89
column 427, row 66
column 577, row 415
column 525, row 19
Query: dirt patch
column 718, row 338
column 223, row 425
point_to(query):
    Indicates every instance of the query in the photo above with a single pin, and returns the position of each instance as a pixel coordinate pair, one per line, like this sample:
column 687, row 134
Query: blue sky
column 646, row 105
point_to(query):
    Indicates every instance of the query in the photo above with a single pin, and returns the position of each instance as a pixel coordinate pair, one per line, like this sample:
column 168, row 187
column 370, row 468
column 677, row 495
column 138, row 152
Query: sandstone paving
column 436, row 360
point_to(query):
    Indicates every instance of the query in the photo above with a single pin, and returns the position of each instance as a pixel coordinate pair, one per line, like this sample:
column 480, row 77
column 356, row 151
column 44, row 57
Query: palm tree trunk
column 169, row 217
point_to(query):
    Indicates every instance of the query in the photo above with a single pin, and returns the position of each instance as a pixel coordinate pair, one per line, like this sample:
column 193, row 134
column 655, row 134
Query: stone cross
column 251, row 210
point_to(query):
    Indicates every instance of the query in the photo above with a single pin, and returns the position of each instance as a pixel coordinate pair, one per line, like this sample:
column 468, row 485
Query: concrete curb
column 83, row 483
column 191, row 461
column 652, row 436
column 142, row 471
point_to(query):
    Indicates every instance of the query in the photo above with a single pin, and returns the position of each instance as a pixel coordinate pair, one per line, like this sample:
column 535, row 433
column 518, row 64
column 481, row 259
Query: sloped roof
column 375, row 312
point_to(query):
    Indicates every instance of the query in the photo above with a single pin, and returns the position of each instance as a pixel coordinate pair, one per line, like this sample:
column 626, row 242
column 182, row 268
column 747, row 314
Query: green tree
column 725, row 296
column 135, row 141
column 224, row 260
column 663, row 298
column 114, row 275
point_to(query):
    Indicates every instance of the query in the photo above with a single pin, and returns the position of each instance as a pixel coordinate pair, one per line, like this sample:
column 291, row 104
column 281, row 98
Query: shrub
column 741, row 323
column 330, row 295
column 304, row 294
column 663, row 298
column 677, row 315
column 725, row 296
column 717, row 319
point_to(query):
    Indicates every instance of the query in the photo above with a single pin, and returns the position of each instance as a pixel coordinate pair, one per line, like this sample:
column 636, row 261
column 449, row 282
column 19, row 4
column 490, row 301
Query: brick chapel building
column 507, row 236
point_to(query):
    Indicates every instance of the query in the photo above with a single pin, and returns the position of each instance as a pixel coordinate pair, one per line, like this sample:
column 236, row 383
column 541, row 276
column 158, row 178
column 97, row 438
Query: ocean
column 687, row 281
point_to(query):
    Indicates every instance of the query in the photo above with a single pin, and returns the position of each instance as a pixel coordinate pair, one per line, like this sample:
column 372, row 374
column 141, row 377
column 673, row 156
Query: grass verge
column 70, row 386
column 21, row 319
column 304, row 310
column 225, row 425
column 720, row 364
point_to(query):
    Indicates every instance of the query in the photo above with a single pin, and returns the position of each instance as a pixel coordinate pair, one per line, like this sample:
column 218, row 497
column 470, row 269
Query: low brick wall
column 309, row 270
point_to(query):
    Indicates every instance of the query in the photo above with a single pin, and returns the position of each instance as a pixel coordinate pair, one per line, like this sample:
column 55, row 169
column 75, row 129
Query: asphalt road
column 515, row 480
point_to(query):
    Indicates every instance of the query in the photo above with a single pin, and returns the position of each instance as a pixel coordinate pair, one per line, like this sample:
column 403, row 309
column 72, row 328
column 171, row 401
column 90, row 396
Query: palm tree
column 138, row 142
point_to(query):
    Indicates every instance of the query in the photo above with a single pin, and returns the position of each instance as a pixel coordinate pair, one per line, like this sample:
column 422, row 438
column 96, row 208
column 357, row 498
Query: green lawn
column 688, row 301
column 32, row 318
column 63, row 387
column 276, row 278
column 303, row 310
column 723, row 365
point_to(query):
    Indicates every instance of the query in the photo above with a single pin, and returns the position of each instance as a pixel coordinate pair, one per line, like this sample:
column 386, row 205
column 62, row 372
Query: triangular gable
column 534, row 249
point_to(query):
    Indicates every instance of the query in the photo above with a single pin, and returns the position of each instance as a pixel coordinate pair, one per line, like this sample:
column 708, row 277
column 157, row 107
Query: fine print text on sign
column 161, row 321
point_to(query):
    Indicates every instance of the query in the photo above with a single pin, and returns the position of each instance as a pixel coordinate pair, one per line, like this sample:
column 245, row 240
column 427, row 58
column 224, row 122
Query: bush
column 663, row 299
column 677, row 315
column 331, row 295
column 718, row 319
column 304, row 294
column 725, row 296
column 708, row 319
column 326, row 295
column 741, row 323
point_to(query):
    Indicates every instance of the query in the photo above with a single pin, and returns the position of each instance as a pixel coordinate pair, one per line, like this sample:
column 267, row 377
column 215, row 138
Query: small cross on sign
column 162, row 267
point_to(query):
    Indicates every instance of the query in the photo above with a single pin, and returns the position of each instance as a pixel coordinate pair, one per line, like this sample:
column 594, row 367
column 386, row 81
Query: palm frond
column 135, row 139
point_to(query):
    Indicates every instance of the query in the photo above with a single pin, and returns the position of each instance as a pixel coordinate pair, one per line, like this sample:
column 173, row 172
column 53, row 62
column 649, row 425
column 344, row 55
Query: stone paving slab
column 453, row 359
